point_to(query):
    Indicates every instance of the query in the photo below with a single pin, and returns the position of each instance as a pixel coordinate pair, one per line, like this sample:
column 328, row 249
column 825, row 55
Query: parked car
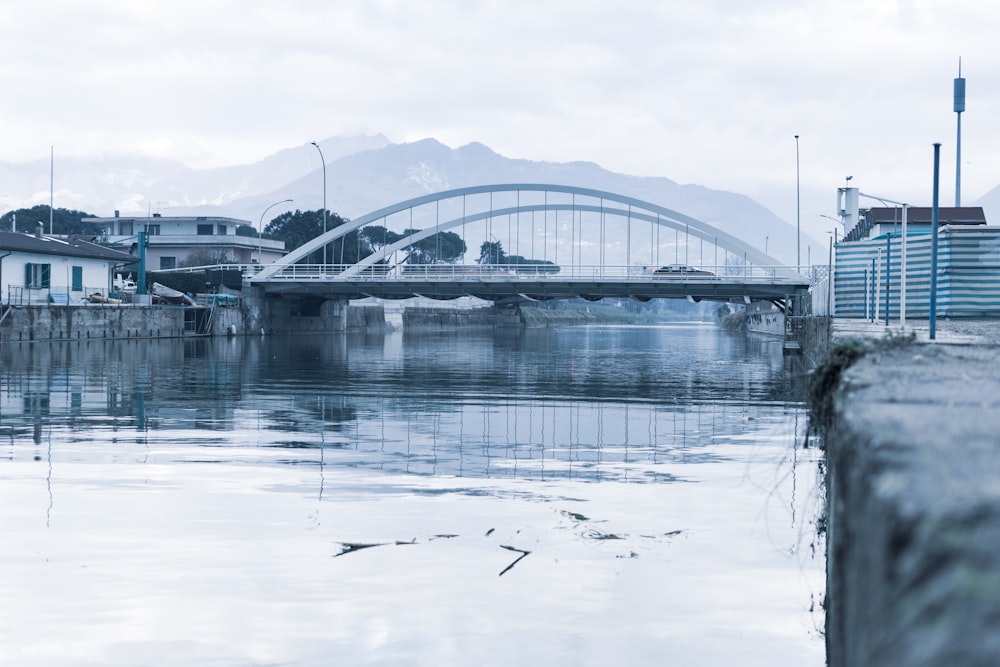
column 681, row 270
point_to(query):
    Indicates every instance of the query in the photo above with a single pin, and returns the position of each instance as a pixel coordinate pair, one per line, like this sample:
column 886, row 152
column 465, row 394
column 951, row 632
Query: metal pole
column 323, row 160
column 958, row 165
column 868, row 293
column 902, row 275
column 959, row 107
column 798, row 211
column 876, row 284
column 141, row 283
column 934, row 243
column 829, row 293
column 52, row 173
column 888, row 274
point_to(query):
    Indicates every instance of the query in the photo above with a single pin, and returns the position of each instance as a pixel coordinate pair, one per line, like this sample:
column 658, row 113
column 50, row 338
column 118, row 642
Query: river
column 595, row 495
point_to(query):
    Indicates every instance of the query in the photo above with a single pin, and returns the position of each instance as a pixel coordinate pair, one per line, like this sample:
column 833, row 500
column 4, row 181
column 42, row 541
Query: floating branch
column 351, row 547
column 598, row 535
column 516, row 560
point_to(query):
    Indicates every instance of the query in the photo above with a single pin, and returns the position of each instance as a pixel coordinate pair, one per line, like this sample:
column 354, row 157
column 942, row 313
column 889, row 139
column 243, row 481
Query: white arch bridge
column 533, row 242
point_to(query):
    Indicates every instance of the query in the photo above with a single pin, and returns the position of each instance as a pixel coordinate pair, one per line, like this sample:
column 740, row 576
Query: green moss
column 826, row 378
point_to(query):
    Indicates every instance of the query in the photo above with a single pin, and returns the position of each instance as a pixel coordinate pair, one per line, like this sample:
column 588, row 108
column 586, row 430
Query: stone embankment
column 913, row 451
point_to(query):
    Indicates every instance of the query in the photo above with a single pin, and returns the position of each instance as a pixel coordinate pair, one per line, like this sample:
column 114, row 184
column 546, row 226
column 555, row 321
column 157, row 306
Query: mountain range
column 364, row 173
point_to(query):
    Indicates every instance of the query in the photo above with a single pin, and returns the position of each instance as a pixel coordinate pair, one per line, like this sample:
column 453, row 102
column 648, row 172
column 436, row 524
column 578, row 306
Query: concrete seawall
column 913, row 453
column 43, row 323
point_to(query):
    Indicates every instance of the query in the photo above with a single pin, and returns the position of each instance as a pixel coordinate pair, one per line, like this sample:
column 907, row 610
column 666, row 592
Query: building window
column 153, row 230
column 77, row 279
column 205, row 230
column 168, row 263
column 125, row 229
column 223, row 230
column 36, row 276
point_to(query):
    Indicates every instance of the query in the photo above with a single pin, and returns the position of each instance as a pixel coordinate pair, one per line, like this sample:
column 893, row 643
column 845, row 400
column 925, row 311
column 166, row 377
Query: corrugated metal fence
column 867, row 275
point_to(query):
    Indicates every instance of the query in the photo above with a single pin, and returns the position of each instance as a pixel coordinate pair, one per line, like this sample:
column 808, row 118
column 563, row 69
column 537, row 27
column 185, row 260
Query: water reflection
column 188, row 501
column 590, row 403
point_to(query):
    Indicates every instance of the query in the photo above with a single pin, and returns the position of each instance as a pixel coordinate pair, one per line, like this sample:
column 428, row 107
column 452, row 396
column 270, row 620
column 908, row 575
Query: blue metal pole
column 934, row 242
column 141, row 283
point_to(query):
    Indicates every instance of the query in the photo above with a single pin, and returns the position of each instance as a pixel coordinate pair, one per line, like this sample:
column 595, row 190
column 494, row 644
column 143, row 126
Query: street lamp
column 323, row 160
column 765, row 244
column 798, row 212
column 260, row 233
column 830, row 217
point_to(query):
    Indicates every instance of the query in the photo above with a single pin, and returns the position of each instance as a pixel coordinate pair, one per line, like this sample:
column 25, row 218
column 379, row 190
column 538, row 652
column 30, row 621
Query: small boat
column 164, row 294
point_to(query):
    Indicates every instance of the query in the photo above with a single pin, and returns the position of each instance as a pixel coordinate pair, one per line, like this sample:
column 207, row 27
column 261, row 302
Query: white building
column 43, row 269
column 180, row 240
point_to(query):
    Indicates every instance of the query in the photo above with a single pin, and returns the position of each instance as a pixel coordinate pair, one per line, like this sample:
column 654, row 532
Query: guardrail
column 533, row 272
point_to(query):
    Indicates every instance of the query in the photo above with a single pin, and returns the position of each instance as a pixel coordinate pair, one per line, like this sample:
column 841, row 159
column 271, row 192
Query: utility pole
column 959, row 108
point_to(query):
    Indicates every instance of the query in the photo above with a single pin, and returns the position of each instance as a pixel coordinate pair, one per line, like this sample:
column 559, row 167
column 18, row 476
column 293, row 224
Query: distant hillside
column 362, row 174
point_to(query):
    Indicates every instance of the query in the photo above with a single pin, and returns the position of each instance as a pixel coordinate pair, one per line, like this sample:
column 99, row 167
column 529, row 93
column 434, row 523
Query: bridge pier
column 294, row 313
column 508, row 316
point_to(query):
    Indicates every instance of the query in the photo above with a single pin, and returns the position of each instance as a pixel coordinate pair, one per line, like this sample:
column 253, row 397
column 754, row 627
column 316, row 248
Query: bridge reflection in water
column 451, row 404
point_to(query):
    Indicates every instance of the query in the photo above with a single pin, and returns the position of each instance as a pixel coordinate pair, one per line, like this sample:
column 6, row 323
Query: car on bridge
column 680, row 270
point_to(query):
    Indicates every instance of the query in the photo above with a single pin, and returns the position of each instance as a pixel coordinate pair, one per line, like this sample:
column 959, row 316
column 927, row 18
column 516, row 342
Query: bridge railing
column 513, row 272
column 533, row 272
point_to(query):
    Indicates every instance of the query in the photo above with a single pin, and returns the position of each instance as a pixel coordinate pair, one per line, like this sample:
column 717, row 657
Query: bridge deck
column 453, row 281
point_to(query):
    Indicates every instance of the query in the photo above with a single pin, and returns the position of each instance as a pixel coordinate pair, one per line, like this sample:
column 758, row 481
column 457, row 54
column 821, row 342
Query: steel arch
column 647, row 211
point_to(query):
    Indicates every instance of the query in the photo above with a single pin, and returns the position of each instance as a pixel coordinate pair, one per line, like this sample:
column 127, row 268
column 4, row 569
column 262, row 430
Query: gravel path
column 952, row 332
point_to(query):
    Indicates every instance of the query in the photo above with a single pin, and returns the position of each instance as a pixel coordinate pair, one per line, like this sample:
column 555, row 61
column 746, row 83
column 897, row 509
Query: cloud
column 708, row 91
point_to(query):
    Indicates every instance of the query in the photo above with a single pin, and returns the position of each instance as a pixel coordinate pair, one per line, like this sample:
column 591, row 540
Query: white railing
column 528, row 272
column 19, row 295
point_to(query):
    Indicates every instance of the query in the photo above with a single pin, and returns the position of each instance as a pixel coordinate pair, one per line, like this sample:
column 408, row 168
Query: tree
column 246, row 230
column 378, row 236
column 64, row 221
column 491, row 252
column 299, row 227
column 441, row 247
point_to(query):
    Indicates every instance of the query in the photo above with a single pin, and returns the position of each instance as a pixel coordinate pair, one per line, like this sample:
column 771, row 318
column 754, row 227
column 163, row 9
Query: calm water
column 584, row 496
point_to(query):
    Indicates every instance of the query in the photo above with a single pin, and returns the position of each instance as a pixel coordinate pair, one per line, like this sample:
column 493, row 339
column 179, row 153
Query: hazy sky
column 710, row 92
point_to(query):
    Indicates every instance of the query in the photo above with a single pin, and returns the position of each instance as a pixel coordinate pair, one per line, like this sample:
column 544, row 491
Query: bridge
column 536, row 242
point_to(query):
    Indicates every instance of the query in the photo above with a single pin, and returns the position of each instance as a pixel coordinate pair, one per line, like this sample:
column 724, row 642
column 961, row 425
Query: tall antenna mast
column 959, row 108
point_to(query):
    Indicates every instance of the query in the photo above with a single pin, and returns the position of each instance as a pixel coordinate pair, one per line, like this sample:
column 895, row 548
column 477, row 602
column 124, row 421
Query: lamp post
column 260, row 232
column 323, row 160
column 765, row 244
column 52, row 176
column 798, row 212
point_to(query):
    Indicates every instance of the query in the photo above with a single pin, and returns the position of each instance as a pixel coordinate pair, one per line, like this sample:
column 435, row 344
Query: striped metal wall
column 865, row 283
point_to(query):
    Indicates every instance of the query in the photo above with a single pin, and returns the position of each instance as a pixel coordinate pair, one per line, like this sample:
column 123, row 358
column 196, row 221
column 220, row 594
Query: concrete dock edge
column 913, row 455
